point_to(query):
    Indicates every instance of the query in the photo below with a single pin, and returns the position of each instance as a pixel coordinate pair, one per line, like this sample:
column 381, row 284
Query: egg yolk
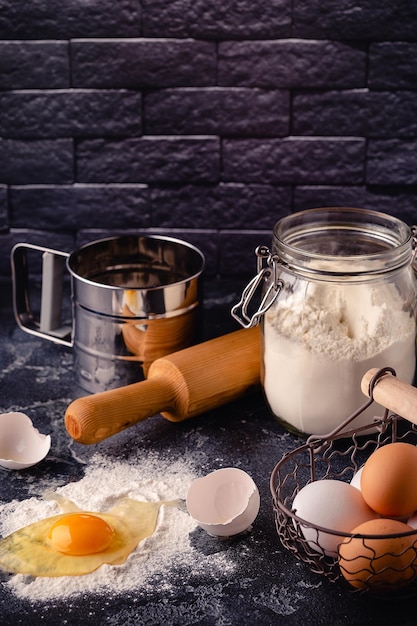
column 79, row 534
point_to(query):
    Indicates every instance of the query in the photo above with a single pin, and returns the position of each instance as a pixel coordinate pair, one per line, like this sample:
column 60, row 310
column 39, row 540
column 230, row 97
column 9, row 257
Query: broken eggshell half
column 21, row 444
column 224, row 502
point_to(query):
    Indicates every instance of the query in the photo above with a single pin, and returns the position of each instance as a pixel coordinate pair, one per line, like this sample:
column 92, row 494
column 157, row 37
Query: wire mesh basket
column 340, row 455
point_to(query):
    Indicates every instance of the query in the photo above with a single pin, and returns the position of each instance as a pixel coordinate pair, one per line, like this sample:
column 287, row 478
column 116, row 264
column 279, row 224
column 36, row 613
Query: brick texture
column 34, row 65
column 210, row 19
column 142, row 63
column 3, row 208
column 70, row 113
column 36, row 161
column 152, row 159
column 291, row 63
column 359, row 113
column 65, row 19
column 294, row 161
column 369, row 20
column 393, row 65
column 218, row 111
column 202, row 120
column 392, row 161
column 67, row 208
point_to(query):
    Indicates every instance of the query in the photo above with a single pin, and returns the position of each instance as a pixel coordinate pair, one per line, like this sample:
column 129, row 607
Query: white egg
column 225, row 502
column 21, row 444
column 412, row 521
column 356, row 479
column 333, row 505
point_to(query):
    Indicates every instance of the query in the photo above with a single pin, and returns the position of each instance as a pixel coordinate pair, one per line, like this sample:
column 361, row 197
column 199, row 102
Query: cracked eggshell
column 224, row 502
column 21, row 444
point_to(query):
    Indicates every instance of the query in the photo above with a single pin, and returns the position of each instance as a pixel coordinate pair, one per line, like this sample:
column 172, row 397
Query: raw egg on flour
column 77, row 542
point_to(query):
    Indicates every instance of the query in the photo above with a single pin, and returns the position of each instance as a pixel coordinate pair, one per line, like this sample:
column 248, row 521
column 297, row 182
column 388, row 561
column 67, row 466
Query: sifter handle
column 48, row 324
column 393, row 394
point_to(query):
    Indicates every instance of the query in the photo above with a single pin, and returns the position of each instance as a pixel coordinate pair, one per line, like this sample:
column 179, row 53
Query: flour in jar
column 319, row 341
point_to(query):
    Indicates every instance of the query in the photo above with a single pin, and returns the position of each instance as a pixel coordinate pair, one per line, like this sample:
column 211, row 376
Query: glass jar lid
column 342, row 242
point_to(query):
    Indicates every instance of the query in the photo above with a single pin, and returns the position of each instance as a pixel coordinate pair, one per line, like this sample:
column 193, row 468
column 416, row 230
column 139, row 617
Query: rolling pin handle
column 179, row 386
column 95, row 417
column 376, row 377
column 398, row 397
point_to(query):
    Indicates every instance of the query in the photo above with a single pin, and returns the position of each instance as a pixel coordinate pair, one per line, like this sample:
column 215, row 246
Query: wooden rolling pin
column 179, row 386
column 395, row 395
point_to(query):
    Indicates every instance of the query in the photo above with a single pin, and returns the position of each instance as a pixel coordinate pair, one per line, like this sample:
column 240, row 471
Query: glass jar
column 339, row 296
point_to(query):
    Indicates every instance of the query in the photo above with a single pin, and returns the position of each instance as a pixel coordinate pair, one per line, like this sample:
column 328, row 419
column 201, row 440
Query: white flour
column 150, row 479
column 319, row 342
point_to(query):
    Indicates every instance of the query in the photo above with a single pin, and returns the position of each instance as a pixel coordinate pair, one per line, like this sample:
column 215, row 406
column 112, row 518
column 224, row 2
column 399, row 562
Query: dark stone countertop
column 269, row 585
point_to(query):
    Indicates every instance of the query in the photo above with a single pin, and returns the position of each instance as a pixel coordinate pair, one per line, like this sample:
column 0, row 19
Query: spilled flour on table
column 168, row 549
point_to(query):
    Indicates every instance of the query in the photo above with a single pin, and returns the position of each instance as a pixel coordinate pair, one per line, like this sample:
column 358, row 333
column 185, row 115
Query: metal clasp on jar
column 266, row 272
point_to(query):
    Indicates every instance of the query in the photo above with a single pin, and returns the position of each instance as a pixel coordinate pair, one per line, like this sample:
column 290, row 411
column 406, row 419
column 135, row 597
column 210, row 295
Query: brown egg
column 381, row 563
column 389, row 480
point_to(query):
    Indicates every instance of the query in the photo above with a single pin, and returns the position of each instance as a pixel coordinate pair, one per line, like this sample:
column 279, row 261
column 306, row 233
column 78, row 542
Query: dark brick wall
column 202, row 119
